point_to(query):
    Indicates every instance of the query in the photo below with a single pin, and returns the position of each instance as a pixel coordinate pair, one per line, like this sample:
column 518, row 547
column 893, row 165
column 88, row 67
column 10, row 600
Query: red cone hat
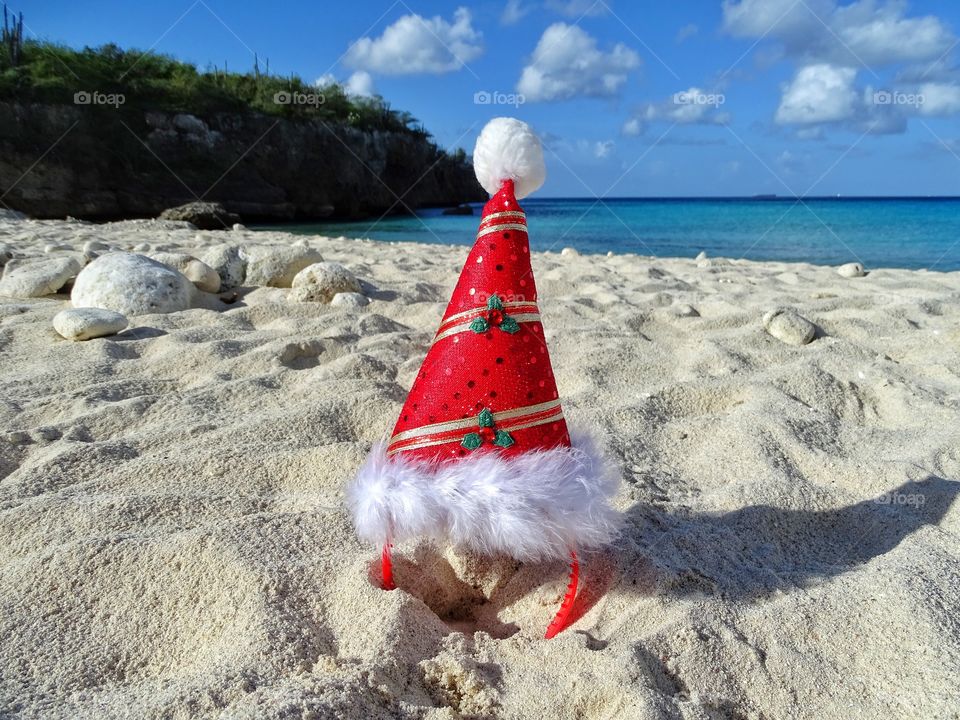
column 481, row 453
column 486, row 384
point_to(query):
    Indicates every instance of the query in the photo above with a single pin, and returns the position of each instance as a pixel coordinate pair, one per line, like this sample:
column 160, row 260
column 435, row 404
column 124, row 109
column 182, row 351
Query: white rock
column 87, row 323
column 239, row 227
column 55, row 247
column 306, row 293
column 687, row 311
column 786, row 325
column 702, row 255
column 228, row 263
column 570, row 252
column 851, row 270
column 37, row 278
column 321, row 281
column 276, row 265
column 197, row 272
column 95, row 246
column 350, row 299
column 131, row 284
column 18, row 437
column 203, row 276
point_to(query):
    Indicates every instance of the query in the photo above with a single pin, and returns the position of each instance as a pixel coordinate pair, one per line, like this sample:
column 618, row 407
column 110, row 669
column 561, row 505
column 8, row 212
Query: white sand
column 173, row 540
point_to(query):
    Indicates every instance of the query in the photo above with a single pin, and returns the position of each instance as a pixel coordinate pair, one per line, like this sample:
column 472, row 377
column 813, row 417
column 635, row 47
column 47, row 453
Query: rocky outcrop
column 203, row 215
column 122, row 162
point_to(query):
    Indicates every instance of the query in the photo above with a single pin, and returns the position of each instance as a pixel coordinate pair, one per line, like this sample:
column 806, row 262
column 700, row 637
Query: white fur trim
column 540, row 504
column 508, row 149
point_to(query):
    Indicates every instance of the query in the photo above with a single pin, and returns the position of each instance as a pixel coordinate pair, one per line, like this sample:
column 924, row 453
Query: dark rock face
column 111, row 163
column 205, row 215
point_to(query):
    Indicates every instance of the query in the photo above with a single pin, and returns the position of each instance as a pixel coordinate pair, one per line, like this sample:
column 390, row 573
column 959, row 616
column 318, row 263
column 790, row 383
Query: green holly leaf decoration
column 503, row 439
column 472, row 441
column 485, row 418
column 480, row 325
column 494, row 303
column 509, row 325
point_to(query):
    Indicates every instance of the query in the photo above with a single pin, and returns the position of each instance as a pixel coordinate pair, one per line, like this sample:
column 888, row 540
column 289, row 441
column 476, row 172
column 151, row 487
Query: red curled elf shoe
column 481, row 454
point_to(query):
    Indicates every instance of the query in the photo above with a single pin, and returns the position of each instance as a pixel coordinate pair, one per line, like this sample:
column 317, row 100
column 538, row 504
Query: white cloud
column 602, row 149
column 833, row 41
column 824, row 94
column 693, row 106
column 566, row 63
column 819, row 94
column 871, row 32
column 633, row 126
column 417, row 45
column 773, row 18
column 882, row 35
column 939, row 99
column 790, row 164
column 578, row 8
column 941, row 69
column 513, row 12
column 686, row 32
column 360, row 84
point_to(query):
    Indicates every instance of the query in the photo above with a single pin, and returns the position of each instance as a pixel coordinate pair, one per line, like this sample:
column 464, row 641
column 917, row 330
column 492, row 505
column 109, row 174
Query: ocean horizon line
column 762, row 197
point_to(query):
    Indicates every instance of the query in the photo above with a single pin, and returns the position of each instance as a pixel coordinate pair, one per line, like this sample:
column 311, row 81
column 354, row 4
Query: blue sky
column 691, row 98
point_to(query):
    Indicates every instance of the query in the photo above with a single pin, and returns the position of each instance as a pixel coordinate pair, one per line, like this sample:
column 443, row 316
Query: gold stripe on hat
column 470, row 422
column 553, row 417
column 504, row 214
column 457, row 329
column 497, row 228
column 483, row 309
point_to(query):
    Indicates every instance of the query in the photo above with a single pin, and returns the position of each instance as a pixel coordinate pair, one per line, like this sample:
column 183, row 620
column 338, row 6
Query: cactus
column 12, row 37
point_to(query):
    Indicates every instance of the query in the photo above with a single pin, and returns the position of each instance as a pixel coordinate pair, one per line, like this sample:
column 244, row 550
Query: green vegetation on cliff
column 44, row 72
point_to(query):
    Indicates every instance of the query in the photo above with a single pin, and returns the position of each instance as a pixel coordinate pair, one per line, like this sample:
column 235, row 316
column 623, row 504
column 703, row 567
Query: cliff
column 100, row 161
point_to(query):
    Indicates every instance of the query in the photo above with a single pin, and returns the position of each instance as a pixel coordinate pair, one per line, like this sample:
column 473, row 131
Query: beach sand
column 174, row 541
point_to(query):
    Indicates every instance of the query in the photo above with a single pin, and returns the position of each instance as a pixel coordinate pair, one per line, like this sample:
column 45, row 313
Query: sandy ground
column 174, row 543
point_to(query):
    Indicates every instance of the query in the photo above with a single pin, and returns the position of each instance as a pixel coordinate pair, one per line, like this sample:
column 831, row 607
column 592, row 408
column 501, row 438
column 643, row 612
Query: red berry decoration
column 487, row 433
column 496, row 317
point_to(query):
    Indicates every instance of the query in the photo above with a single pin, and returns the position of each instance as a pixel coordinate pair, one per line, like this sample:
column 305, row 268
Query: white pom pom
column 508, row 149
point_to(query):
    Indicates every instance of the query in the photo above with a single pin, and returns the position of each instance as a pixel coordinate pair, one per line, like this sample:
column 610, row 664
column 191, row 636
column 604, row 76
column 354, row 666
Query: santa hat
column 481, row 453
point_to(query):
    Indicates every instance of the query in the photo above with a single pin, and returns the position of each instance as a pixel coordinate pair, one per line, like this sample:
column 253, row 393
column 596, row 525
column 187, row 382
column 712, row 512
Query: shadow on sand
column 745, row 554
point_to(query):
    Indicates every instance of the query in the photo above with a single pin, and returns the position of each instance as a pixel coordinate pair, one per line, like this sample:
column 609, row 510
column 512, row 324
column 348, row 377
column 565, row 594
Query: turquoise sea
column 879, row 232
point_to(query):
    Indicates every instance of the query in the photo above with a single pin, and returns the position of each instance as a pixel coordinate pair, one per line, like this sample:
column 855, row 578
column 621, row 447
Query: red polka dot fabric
column 486, row 384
